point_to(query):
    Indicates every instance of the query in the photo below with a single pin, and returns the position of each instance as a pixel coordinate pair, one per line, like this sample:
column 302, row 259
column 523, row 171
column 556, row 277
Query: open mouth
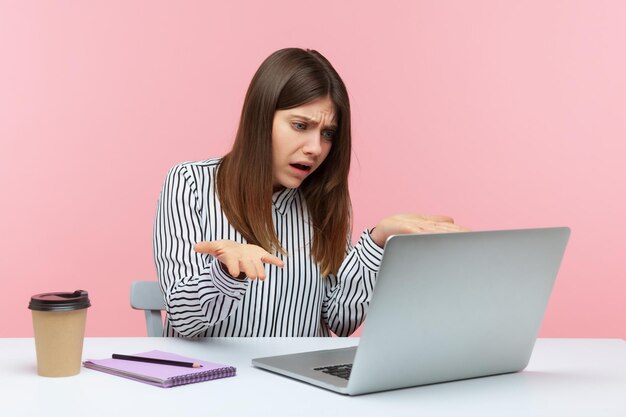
column 301, row 167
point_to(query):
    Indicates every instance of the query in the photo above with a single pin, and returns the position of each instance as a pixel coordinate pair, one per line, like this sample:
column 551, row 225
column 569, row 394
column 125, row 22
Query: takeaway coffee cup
column 59, row 325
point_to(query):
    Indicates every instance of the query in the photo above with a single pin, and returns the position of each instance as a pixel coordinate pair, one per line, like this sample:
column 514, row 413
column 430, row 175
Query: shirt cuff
column 225, row 283
column 371, row 254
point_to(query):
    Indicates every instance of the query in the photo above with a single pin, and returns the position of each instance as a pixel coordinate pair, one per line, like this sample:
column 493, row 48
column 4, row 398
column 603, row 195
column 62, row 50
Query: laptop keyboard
column 341, row 371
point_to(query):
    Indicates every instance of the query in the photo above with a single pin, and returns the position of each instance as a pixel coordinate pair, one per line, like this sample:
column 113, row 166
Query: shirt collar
column 283, row 199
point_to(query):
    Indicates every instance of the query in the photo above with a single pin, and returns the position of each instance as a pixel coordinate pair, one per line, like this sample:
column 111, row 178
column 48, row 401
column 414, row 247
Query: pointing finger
column 274, row 260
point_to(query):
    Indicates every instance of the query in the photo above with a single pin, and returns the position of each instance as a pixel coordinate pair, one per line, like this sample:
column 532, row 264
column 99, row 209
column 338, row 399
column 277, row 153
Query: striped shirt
column 202, row 299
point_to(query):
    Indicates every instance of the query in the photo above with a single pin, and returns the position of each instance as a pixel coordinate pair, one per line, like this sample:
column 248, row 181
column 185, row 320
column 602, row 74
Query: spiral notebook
column 164, row 376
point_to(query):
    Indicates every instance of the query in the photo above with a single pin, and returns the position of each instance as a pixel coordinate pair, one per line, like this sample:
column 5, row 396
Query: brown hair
column 286, row 79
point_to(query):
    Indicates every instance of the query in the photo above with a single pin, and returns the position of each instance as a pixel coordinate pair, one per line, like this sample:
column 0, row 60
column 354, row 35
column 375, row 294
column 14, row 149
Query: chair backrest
column 146, row 295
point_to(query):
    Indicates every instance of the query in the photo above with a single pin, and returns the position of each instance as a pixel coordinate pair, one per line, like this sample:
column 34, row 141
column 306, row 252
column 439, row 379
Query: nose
column 313, row 144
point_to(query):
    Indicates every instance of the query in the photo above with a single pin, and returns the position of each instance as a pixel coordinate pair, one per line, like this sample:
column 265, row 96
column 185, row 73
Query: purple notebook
column 164, row 376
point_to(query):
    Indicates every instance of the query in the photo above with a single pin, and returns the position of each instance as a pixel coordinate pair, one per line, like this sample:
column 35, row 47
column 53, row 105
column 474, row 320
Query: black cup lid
column 60, row 301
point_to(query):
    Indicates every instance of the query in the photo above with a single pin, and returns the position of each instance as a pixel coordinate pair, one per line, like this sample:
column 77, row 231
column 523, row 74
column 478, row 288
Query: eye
column 329, row 134
column 298, row 125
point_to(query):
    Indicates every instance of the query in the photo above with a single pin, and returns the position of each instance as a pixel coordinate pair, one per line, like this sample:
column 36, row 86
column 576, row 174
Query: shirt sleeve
column 349, row 292
column 197, row 291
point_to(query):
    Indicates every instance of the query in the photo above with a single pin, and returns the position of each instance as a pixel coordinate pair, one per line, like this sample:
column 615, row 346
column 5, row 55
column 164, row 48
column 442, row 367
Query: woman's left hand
column 402, row 224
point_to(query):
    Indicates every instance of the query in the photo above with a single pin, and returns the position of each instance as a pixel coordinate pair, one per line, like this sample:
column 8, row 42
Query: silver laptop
column 445, row 307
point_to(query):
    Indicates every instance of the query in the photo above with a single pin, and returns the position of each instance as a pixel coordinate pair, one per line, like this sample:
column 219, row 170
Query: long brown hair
column 286, row 79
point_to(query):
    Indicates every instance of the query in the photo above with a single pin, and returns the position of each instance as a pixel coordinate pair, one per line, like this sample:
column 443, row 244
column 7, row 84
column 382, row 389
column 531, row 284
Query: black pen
column 156, row 361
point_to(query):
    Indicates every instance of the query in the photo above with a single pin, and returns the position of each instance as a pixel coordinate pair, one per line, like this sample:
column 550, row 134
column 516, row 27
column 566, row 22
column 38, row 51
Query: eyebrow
column 309, row 119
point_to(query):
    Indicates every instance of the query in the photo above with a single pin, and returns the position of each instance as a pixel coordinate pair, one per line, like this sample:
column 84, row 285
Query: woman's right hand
column 400, row 224
column 239, row 258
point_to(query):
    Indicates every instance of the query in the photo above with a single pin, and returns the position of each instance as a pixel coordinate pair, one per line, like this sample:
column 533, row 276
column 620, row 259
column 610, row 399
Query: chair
column 146, row 295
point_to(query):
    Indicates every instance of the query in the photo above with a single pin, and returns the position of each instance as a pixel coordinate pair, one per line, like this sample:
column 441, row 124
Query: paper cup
column 59, row 325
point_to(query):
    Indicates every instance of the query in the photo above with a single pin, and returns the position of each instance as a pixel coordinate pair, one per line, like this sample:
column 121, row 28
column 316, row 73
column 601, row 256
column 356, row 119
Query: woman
column 276, row 208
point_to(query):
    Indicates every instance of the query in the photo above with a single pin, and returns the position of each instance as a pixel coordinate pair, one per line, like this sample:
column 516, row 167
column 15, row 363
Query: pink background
column 501, row 114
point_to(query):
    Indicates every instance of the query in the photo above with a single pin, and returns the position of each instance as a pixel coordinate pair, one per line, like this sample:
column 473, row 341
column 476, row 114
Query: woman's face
column 301, row 140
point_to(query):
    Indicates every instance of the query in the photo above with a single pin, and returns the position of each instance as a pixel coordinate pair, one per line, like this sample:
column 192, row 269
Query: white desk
column 565, row 377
